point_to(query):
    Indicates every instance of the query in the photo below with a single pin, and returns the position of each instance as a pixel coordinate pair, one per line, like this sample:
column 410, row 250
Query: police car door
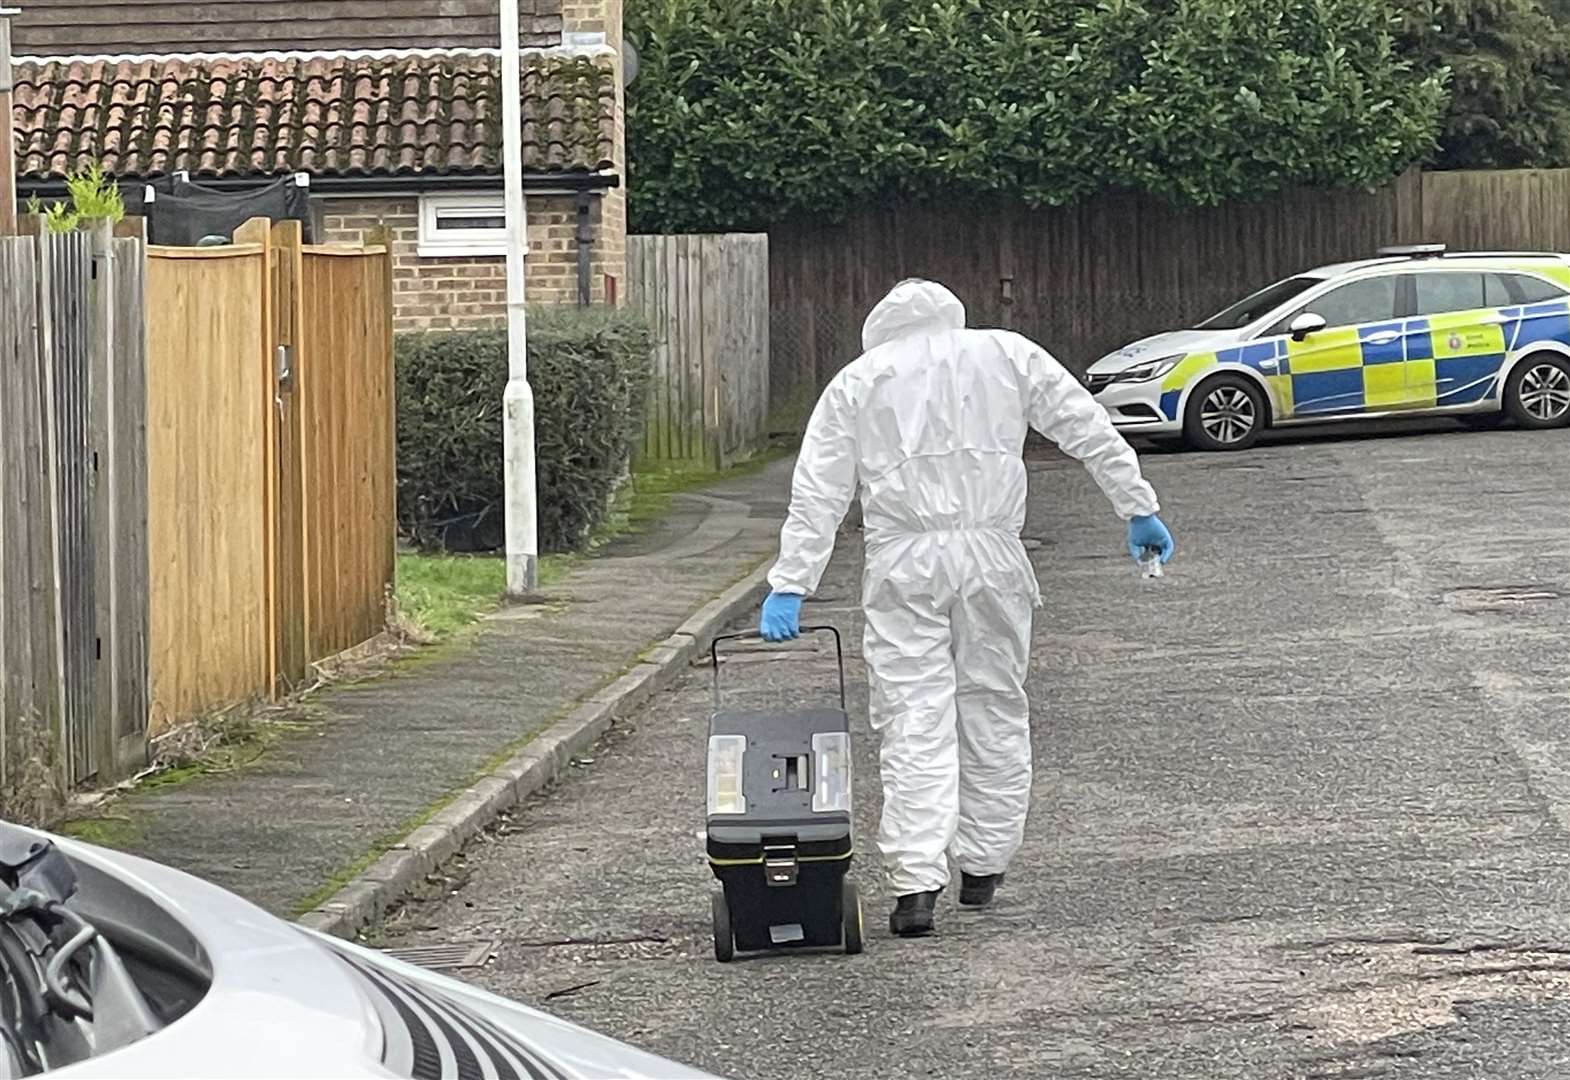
column 1455, row 340
column 1354, row 364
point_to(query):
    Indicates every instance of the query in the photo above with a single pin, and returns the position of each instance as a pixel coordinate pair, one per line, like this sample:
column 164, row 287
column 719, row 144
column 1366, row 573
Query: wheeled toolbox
column 779, row 833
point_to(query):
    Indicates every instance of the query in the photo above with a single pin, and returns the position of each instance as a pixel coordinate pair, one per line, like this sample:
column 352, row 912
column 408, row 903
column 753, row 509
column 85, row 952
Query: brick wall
column 470, row 292
column 605, row 17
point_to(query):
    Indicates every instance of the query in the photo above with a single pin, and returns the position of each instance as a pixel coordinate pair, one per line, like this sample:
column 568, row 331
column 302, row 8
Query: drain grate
column 453, row 957
column 1501, row 598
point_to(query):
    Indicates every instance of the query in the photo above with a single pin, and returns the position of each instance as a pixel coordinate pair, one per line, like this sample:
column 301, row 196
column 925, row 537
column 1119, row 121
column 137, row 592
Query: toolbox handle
column 839, row 655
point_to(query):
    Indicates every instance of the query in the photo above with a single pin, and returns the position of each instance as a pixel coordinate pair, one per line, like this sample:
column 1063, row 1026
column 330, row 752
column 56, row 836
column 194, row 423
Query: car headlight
column 1151, row 369
column 726, row 753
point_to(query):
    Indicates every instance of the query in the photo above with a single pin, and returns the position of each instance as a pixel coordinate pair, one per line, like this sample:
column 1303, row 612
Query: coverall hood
column 912, row 306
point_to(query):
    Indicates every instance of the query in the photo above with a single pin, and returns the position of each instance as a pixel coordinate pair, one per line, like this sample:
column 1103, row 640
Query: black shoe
column 978, row 890
column 913, row 914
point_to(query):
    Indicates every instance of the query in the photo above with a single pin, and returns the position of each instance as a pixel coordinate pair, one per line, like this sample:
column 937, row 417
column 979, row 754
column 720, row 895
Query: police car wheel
column 1224, row 413
column 1537, row 394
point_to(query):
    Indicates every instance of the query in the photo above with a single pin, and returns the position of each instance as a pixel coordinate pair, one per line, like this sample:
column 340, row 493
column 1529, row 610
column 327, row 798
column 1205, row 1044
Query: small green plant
column 60, row 218
column 94, row 196
column 35, row 205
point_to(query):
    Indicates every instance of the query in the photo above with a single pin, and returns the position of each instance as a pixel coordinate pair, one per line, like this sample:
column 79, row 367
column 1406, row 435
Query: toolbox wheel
column 850, row 917
column 724, row 939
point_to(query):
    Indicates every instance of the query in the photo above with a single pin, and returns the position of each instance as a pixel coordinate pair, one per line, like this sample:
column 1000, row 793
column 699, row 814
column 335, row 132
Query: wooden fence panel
column 1085, row 279
column 1524, row 209
column 65, row 270
column 742, row 357
column 165, row 497
column 345, row 397
column 648, row 285
column 661, row 284
column 697, row 357
column 209, row 389
column 71, row 459
column 127, row 729
column 1082, row 280
column 29, row 683
column 706, row 300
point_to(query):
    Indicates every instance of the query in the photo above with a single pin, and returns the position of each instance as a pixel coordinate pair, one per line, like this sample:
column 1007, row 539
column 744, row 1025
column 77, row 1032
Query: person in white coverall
column 929, row 426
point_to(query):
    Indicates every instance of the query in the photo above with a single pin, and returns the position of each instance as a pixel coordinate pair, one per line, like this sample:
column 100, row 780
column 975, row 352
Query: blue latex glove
column 780, row 619
column 1148, row 534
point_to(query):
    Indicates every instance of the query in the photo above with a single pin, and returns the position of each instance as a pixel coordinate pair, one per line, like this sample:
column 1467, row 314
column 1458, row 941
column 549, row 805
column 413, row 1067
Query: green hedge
column 589, row 369
column 748, row 111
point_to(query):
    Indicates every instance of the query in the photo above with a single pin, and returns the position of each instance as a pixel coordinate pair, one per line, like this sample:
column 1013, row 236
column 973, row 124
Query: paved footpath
column 1302, row 808
column 378, row 755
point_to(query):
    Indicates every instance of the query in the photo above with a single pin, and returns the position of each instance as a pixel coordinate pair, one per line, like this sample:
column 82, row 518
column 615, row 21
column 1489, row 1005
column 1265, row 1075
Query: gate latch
column 283, row 366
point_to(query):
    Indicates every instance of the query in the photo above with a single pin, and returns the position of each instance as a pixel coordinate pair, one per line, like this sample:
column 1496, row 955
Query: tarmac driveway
column 1300, row 807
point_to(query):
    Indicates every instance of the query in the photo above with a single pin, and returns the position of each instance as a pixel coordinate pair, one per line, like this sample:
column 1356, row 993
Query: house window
column 463, row 225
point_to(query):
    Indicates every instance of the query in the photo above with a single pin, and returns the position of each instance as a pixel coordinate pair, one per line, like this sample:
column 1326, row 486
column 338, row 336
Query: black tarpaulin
column 183, row 213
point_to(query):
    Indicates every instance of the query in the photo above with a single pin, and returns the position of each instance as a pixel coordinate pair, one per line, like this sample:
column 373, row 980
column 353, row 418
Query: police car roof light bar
column 1412, row 251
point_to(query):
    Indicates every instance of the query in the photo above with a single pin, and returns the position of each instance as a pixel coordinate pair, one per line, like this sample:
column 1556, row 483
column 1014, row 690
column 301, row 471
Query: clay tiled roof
column 326, row 115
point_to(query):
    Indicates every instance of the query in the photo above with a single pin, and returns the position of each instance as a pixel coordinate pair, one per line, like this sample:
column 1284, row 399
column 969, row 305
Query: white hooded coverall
column 929, row 426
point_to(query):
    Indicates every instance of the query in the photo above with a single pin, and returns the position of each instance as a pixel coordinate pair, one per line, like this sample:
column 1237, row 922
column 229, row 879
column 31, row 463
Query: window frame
column 1283, row 326
column 435, row 242
column 1512, row 278
column 1308, row 289
column 1480, row 273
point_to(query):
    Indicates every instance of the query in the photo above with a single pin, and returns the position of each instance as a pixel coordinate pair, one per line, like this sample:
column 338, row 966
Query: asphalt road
column 1302, row 807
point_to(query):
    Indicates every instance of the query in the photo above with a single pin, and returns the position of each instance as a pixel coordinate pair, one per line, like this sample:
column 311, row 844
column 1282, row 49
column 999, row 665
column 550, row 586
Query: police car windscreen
column 1257, row 306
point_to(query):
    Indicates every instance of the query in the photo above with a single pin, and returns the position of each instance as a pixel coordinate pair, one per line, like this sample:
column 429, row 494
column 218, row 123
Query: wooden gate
column 208, row 395
column 347, row 445
column 273, row 470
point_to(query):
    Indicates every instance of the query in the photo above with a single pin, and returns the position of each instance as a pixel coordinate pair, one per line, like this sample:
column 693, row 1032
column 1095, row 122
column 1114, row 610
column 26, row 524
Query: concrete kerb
column 363, row 901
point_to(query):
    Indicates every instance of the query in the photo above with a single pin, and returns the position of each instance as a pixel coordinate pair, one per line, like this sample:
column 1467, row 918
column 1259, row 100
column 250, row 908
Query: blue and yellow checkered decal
column 1450, row 359
column 1266, row 357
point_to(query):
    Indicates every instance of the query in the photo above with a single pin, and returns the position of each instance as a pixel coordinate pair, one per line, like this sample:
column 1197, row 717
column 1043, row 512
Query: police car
column 1414, row 332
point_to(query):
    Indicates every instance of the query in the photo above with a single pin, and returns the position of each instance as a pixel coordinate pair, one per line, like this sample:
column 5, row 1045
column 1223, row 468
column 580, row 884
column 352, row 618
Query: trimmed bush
column 589, row 370
column 750, row 111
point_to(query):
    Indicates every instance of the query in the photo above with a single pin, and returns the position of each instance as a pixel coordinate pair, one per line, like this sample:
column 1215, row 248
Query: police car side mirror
column 1306, row 324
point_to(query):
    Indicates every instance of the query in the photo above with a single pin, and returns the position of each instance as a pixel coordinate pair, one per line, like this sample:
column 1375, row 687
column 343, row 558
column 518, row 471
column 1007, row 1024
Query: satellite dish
column 629, row 54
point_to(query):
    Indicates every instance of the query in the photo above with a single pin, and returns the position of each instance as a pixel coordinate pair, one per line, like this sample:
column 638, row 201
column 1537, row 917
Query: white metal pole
column 523, row 545
column 7, row 160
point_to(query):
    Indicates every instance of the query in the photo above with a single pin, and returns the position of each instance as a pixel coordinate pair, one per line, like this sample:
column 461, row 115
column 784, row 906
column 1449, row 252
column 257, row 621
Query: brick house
column 391, row 109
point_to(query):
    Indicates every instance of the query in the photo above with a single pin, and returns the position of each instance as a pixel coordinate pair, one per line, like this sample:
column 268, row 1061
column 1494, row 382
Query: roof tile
column 329, row 116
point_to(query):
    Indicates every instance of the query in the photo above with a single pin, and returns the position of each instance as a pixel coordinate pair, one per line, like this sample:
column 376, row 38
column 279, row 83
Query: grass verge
column 652, row 489
column 440, row 595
